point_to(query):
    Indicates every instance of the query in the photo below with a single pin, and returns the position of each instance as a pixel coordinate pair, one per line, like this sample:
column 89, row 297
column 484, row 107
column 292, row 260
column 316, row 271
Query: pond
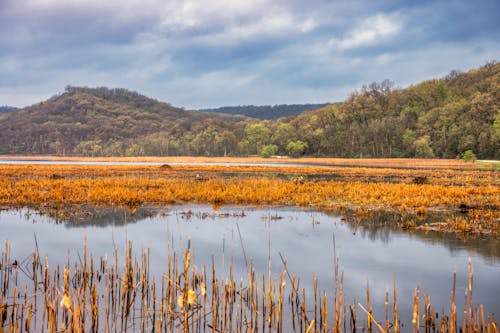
column 267, row 236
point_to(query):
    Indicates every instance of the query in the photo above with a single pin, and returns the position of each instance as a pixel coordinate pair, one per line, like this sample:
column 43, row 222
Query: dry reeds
column 363, row 190
column 111, row 296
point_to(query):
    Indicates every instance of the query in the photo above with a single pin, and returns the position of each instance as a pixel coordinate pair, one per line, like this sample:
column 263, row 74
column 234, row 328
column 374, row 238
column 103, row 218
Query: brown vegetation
column 474, row 194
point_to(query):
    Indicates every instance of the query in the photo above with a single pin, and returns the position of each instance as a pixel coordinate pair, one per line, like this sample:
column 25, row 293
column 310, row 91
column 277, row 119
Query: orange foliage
column 133, row 185
column 321, row 187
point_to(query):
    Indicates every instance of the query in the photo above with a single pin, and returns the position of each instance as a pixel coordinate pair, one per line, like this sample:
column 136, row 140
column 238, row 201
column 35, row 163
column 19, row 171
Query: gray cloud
column 197, row 54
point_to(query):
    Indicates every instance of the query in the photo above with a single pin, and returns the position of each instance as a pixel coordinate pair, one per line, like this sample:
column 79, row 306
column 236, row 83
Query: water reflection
column 372, row 225
column 82, row 216
column 384, row 225
column 368, row 252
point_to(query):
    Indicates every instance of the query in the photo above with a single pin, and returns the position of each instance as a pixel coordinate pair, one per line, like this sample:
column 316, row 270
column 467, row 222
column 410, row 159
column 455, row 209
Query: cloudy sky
column 209, row 53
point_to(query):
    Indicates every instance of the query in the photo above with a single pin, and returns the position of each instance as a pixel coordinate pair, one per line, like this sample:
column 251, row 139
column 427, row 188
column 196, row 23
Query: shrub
column 469, row 156
column 268, row 150
column 423, row 147
column 296, row 148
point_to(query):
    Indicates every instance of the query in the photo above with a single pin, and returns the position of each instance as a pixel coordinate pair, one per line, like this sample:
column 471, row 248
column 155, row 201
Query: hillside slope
column 441, row 117
column 101, row 121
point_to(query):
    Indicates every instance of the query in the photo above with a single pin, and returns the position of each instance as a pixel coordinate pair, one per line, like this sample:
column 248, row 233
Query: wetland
column 276, row 248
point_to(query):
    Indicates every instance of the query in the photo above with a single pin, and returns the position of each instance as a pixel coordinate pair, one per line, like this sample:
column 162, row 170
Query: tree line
column 266, row 111
column 6, row 108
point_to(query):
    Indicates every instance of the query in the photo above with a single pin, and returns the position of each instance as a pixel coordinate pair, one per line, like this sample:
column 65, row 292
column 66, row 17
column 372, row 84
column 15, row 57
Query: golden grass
column 96, row 295
column 428, row 176
column 22, row 185
column 416, row 191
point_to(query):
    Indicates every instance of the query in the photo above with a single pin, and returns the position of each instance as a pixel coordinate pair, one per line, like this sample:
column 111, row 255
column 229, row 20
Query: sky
column 211, row 53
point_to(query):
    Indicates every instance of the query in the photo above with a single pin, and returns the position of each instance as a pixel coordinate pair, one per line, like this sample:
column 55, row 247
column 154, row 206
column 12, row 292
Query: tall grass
column 472, row 193
column 110, row 295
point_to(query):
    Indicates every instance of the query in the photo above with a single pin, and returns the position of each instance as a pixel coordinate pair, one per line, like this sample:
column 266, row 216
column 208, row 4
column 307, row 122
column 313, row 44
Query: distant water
column 50, row 162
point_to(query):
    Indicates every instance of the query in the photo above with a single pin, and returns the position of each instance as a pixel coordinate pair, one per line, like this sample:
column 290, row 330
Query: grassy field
column 472, row 196
column 100, row 295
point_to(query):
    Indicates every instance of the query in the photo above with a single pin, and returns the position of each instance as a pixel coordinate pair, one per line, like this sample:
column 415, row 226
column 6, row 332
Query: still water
column 115, row 163
column 307, row 240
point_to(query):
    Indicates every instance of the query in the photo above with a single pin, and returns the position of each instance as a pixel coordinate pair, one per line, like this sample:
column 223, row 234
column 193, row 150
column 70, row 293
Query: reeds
column 363, row 190
column 113, row 296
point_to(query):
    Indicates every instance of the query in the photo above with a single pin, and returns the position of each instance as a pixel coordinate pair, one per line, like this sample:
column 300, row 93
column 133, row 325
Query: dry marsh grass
column 100, row 295
column 476, row 193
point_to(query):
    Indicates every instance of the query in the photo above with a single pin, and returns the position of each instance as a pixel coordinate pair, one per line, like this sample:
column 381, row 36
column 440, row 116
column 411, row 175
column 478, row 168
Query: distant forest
column 266, row 111
column 442, row 118
column 5, row 109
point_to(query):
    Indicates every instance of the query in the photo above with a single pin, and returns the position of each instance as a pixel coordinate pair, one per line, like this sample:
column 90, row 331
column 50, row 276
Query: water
column 305, row 239
column 112, row 163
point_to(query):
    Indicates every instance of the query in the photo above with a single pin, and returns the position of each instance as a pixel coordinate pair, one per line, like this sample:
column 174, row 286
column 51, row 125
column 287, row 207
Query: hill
column 442, row 118
column 102, row 121
column 5, row 109
column 266, row 111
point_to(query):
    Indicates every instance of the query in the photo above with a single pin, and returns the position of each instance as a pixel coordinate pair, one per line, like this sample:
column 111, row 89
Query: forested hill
column 102, row 121
column 5, row 109
column 266, row 111
column 442, row 117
